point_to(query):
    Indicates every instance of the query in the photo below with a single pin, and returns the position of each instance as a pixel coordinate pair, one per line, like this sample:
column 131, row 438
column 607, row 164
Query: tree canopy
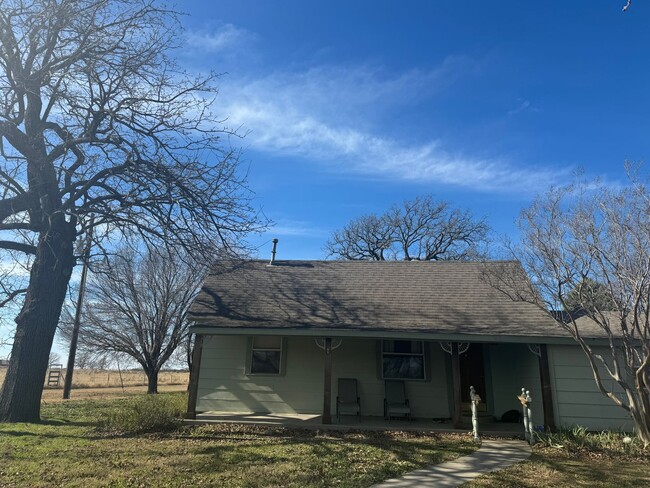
column 589, row 296
column 137, row 306
column 420, row 229
column 96, row 119
column 586, row 248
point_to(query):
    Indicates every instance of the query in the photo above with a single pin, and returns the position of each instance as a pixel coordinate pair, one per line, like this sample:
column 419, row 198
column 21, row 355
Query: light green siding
column 513, row 367
column 224, row 385
column 577, row 399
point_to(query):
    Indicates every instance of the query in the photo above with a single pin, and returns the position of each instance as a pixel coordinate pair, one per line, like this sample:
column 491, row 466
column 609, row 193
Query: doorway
column 472, row 373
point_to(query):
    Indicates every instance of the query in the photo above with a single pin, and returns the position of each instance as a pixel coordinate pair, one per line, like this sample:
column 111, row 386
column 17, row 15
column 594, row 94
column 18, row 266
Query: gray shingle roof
column 432, row 297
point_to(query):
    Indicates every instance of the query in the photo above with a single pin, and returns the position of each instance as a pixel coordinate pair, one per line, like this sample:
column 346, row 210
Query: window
column 403, row 360
column 266, row 355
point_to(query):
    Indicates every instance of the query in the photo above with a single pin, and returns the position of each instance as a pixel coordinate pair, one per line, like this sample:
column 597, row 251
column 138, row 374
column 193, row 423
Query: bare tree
column 89, row 360
column 54, row 358
column 14, row 278
column 96, row 119
column 182, row 357
column 369, row 237
column 420, row 229
column 573, row 237
column 137, row 307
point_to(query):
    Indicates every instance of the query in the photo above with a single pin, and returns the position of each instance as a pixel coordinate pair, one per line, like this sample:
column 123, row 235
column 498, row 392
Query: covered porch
column 437, row 374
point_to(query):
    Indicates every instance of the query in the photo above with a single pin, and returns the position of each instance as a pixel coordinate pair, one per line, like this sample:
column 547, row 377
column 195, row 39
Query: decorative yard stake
column 475, row 399
column 526, row 400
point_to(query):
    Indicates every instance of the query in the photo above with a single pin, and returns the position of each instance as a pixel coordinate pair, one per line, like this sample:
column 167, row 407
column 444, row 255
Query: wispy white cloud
column 524, row 106
column 224, row 38
column 287, row 227
column 334, row 115
column 345, row 94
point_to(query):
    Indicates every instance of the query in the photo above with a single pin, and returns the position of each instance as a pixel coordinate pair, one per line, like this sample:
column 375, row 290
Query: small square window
column 265, row 362
column 266, row 355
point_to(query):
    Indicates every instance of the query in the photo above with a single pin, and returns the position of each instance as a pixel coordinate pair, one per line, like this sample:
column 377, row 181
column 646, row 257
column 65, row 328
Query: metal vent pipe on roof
column 275, row 245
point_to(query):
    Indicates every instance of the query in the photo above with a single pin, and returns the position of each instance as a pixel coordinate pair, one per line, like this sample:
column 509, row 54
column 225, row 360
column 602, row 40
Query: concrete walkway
column 492, row 456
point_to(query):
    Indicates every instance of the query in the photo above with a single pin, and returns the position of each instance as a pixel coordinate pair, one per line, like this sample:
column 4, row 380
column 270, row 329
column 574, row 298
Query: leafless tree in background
column 137, row 307
column 54, row 358
column 369, row 237
column 182, row 357
column 421, row 229
column 578, row 235
column 97, row 119
column 14, row 277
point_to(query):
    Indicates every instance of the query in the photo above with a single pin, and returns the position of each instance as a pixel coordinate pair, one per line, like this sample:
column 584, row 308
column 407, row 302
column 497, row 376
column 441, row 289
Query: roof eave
column 388, row 334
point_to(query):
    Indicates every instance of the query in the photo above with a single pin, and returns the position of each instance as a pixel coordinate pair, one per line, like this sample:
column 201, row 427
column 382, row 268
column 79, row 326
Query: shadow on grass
column 551, row 469
column 52, row 435
column 315, row 458
column 65, row 422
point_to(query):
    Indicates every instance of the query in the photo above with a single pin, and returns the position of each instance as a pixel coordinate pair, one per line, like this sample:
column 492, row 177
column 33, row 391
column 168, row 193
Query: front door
column 472, row 373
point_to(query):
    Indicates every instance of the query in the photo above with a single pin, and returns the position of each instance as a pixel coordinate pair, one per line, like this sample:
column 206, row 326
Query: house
column 274, row 338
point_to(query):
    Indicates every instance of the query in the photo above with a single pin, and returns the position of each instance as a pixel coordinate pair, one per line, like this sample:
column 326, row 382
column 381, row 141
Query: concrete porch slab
column 311, row 421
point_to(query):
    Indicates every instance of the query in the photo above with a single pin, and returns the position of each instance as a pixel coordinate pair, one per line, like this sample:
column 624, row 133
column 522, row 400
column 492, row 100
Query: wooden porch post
column 455, row 374
column 327, row 383
column 194, row 377
column 547, row 391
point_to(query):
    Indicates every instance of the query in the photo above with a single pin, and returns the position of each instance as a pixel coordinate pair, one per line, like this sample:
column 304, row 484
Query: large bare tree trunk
column 152, row 380
column 36, row 324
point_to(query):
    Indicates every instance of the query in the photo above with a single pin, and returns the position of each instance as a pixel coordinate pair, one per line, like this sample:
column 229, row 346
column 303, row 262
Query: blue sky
column 349, row 107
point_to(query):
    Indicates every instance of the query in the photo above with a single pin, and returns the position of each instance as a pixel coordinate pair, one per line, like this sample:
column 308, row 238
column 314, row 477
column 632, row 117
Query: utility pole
column 67, row 385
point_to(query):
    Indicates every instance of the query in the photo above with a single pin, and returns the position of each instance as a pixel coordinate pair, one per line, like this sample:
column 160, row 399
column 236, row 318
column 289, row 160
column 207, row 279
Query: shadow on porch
column 312, row 421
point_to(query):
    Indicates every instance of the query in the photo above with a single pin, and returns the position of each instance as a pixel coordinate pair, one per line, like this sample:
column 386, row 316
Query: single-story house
column 275, row 338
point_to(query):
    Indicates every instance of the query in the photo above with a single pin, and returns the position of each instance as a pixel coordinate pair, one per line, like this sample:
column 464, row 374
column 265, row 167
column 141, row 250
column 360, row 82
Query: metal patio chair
column 395, row 402
column 347, row 400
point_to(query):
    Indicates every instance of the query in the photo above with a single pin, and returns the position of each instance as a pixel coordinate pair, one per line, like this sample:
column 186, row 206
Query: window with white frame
column 402, row 360
column 266, row 355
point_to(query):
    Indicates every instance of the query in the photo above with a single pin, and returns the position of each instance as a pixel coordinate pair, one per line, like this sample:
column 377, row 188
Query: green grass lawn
column 76, row 447
column 577, row 458
column 100, row 443
column 557, row 468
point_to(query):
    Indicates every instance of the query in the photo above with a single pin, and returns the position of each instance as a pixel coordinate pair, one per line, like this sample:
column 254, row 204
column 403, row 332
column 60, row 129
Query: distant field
column 55, row 395
column 86, row 378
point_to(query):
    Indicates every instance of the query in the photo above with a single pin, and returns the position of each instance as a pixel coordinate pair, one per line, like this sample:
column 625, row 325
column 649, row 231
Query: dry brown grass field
column 89, row 383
